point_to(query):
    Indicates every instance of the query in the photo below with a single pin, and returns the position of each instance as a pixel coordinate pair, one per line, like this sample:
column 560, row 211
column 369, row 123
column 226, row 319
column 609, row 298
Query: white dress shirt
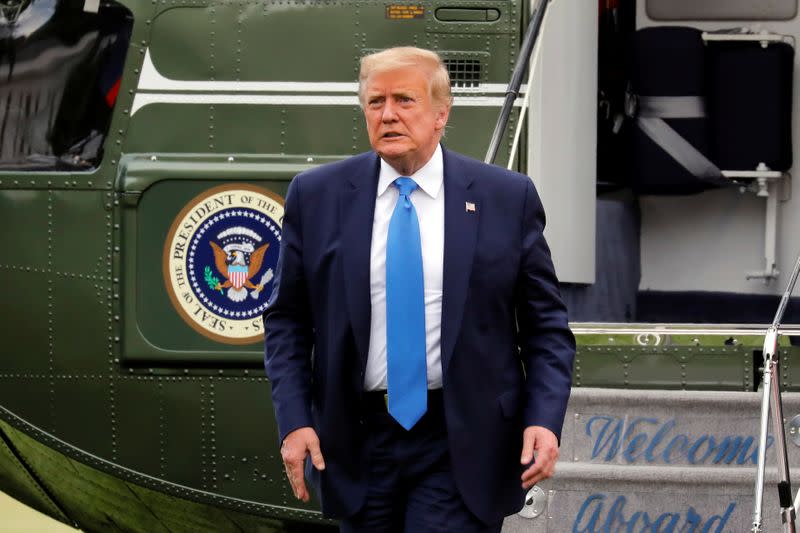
column 428, row 200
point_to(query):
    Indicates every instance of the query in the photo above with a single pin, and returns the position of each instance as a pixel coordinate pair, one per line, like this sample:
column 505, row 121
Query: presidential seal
column 219, row 261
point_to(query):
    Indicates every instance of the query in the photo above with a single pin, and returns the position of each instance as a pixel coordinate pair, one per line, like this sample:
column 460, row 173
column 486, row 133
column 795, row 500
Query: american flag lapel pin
column 470, row 207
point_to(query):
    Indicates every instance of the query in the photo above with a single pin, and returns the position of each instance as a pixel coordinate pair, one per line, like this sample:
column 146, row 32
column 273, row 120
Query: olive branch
column 211, row 280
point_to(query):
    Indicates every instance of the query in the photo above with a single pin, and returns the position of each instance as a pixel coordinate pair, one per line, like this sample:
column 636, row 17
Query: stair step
column 694, row 428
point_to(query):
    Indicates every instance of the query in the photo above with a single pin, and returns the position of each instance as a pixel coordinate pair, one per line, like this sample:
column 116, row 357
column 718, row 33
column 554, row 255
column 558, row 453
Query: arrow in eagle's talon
column 264, row 279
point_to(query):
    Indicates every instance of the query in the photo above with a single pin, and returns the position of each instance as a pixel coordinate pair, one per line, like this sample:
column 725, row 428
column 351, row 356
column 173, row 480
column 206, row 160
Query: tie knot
column 405, row 185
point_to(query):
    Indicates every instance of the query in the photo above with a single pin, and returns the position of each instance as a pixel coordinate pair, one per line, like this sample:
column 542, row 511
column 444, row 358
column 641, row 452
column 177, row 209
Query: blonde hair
column 403, row 57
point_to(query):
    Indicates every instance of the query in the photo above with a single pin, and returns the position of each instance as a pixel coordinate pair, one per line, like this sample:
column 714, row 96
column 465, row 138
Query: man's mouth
column 392, row 134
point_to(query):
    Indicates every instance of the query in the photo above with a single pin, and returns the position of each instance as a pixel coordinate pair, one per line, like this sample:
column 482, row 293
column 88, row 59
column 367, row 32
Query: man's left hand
column 544, row 442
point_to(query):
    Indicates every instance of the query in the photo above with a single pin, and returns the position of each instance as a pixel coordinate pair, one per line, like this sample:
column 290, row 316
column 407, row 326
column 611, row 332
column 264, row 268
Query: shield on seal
column 238, row 275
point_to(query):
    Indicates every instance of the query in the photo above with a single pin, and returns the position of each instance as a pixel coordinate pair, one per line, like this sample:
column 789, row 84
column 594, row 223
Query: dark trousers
column 411, row 486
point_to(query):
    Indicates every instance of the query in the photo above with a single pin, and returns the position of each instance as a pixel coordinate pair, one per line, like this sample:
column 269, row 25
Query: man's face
column 403, row 124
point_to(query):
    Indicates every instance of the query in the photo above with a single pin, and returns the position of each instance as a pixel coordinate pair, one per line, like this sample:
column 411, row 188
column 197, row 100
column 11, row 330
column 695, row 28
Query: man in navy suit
column 416, row 342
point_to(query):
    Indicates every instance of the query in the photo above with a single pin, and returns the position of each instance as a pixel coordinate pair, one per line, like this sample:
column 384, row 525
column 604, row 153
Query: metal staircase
column 635, row 460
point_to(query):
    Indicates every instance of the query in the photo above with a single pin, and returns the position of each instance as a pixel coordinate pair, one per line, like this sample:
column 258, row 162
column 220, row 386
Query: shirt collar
column 429, row 177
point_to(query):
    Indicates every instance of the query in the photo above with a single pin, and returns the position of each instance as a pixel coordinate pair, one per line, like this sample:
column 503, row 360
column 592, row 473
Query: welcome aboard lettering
column 594, row 518
column 651, row 440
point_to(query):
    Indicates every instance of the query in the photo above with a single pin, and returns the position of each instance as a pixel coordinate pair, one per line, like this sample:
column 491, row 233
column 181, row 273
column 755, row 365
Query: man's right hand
column 296, row 446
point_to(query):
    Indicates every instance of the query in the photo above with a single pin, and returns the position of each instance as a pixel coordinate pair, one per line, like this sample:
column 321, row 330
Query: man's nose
column 389, row 114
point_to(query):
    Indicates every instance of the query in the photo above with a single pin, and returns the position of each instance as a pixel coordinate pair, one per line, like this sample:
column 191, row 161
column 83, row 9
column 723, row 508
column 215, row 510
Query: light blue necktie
column 405, row 312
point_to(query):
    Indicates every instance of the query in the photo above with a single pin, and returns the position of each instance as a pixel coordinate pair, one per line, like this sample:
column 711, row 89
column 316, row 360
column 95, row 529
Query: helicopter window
column 721, row 10
column 60, row 63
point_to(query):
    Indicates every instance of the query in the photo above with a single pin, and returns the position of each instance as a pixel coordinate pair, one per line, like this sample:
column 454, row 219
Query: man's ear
column 442, row 115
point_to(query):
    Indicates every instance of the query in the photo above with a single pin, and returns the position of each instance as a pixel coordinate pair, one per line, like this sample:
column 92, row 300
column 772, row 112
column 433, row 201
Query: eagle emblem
column 239, row 261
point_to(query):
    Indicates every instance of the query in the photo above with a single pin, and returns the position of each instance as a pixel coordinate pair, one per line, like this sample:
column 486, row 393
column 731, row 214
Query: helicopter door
column 562, row 136
column 200, row 242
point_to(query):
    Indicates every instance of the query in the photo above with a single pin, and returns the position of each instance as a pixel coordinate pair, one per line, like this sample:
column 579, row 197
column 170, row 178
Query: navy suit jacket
column 507, row 350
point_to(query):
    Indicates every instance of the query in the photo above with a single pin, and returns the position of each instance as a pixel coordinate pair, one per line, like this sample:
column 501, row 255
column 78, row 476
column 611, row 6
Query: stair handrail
column 771, row 401
column 512, row 91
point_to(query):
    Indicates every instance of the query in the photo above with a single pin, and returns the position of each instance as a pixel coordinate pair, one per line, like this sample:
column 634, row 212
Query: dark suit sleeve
column 288, row 333
column 547, row 346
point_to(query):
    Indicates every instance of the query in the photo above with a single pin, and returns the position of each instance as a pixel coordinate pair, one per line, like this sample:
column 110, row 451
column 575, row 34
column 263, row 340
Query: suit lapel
column 460, row 234
column 357, row 209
